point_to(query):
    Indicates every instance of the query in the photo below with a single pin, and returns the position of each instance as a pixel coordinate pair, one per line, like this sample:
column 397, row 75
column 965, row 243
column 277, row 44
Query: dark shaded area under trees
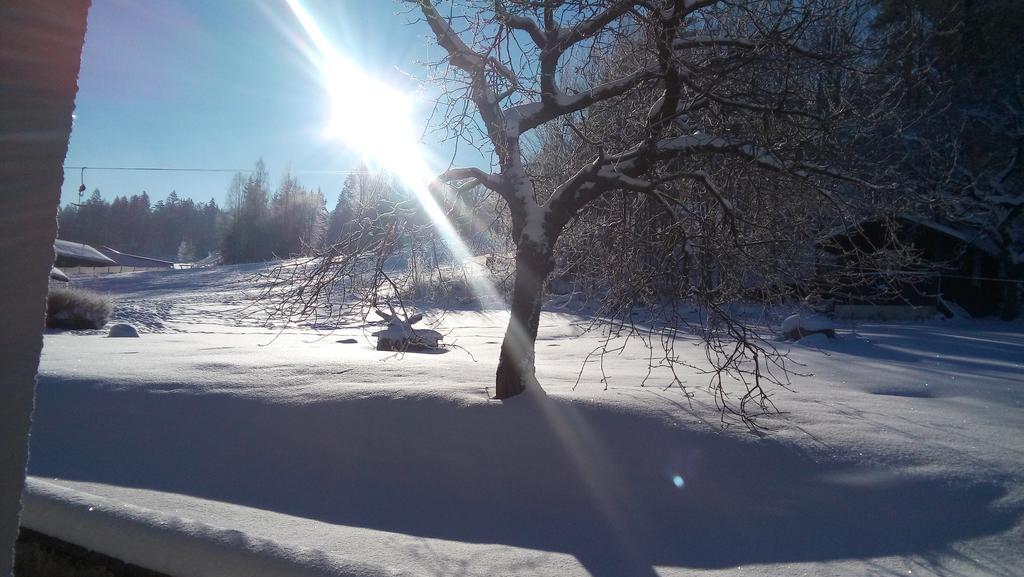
column 956, row 66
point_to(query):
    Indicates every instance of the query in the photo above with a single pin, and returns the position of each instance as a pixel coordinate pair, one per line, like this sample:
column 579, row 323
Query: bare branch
column 460, row 54
column 532, row 115
column 590, row 27
column 486, row 179
column 759, row 155
column 519, row 22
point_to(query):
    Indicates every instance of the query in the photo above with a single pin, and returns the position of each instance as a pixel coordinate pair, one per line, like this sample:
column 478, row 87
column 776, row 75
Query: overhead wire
column 203, row 169
column 83, row 168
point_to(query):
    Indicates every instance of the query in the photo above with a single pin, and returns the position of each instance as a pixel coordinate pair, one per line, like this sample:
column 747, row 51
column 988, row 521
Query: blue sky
column 221, row 83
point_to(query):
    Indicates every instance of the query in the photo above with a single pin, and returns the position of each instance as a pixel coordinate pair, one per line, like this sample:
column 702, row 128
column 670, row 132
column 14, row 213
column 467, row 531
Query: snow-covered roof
column 126, row 259
column 213, row 259
column 80, row 251
column 975, row 238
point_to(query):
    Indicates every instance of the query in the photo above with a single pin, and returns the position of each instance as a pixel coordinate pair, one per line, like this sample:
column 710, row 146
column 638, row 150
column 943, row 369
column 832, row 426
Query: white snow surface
column 209, row 447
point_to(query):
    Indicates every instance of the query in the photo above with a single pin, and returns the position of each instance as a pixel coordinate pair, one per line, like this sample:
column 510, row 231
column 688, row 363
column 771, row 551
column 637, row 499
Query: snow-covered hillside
column 208, row 447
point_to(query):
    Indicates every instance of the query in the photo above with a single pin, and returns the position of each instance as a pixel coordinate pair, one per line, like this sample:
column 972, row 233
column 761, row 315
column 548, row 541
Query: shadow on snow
column 621, row 492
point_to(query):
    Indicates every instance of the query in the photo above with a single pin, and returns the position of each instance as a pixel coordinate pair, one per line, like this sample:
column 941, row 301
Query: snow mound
column 802, row 324
column 398, row 337
column 123, row 330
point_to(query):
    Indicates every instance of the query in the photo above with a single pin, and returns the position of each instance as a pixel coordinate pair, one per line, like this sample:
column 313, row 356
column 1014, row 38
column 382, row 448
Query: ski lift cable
column 198, row 169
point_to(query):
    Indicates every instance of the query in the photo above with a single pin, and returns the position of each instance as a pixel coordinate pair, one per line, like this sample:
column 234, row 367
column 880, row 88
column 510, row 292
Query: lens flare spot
column 678, row 481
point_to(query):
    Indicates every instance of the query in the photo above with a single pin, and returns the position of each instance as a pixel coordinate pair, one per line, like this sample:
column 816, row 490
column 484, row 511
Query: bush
column 73, row 308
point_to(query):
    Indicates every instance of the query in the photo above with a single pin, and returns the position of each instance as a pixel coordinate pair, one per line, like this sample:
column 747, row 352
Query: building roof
column 970, row 237
column 81, row 251
column 125, row 259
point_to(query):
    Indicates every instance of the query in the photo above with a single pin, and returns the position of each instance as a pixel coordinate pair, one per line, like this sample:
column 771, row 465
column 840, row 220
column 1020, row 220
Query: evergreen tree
column 249, row 237
column 342, row 215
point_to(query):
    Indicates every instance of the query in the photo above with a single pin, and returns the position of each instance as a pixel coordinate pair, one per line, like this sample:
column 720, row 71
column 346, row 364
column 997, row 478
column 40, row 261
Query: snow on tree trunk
column 516, row 367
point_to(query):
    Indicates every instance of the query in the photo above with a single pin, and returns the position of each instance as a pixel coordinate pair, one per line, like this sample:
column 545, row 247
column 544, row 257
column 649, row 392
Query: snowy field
column 208, row 448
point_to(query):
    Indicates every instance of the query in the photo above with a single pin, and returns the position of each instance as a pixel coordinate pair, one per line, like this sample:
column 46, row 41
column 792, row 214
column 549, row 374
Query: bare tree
column 233, row 199
column 701, row 145
column 696, row 95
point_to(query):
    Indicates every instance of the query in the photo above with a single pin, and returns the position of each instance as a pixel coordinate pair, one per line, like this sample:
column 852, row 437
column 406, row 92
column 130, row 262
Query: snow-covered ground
column 207, row 447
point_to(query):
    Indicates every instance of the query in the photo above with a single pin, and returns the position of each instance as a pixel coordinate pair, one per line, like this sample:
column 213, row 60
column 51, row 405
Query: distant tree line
column 263, row 225
column 256, row 224
column 171, row 229
column 294, row 220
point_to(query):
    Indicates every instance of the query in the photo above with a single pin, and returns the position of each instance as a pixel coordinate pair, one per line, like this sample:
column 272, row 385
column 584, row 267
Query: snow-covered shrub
column 75, row 308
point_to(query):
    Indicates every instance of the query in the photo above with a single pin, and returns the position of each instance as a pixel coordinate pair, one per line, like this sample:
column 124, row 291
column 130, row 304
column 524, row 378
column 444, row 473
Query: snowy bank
column 898, row 454
column 169, row 543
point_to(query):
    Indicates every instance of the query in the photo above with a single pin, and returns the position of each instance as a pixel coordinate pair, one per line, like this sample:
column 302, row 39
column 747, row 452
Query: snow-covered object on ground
column 899, row 456
column 803, row 324
column 401, row 336
column 951, row 309
column 122, row 330
column 57, row 274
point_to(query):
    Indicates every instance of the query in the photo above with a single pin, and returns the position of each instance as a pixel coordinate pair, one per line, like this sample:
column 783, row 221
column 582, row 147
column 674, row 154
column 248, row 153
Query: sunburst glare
column 376, row 121
column 369, row 116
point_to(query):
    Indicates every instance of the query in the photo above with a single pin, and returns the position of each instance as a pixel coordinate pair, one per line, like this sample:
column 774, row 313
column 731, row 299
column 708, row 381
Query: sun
column 370, row 117
column 376, row 121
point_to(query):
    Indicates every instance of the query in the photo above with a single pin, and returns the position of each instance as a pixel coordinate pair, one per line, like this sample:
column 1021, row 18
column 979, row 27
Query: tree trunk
column 516, row 367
